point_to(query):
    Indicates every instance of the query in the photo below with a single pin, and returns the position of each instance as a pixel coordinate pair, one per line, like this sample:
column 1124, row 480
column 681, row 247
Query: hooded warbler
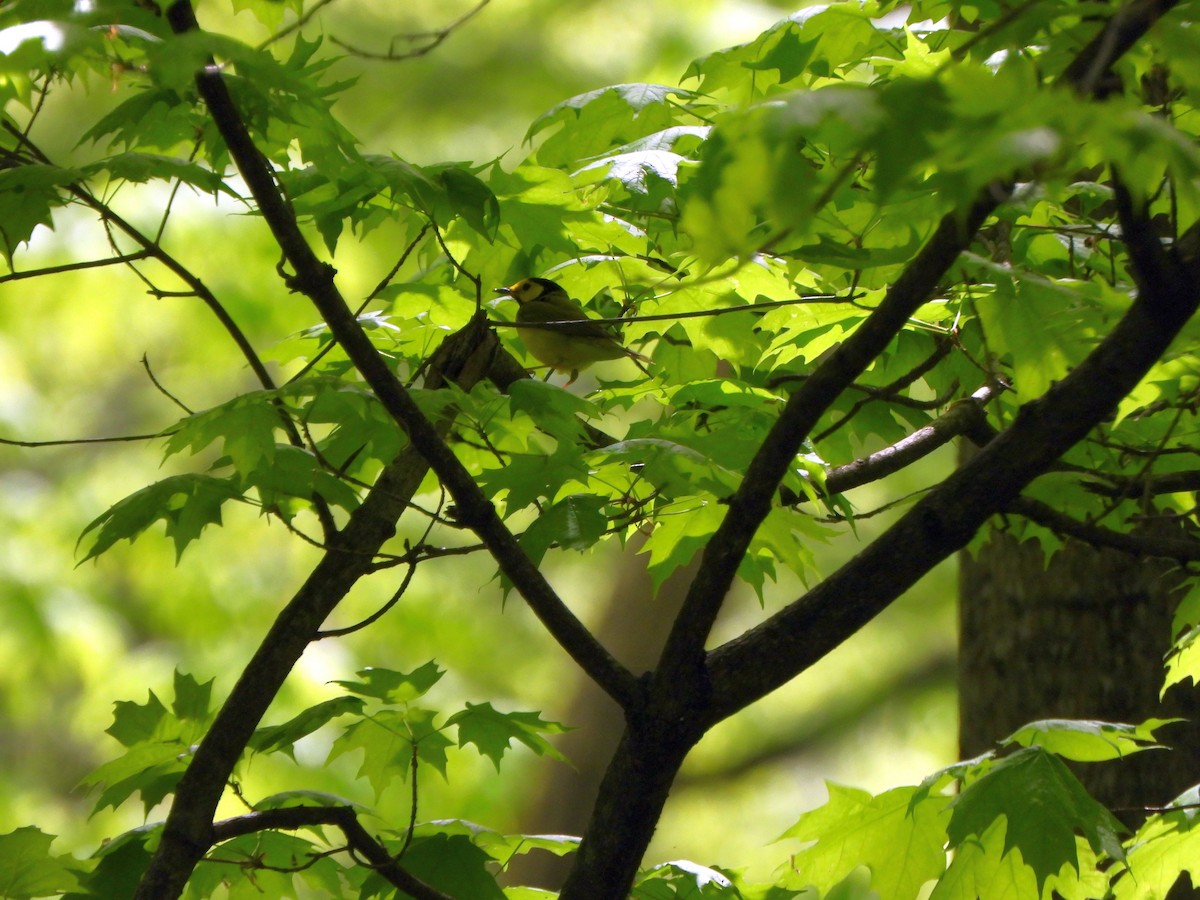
column 566, row 348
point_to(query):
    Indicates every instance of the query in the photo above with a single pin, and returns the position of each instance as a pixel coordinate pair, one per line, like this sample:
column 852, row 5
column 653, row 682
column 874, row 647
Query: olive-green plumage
column 567, row 348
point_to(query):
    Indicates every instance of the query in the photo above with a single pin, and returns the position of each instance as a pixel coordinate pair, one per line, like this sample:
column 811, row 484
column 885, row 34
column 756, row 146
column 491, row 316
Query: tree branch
column 1133, row 487
column 314, row 279
column 345, row 819
column 188, row 828
column 684, row 650
column 433, row 39
column 350, row 555
column 940, row 524
column 1179, row 549
column 965, row 416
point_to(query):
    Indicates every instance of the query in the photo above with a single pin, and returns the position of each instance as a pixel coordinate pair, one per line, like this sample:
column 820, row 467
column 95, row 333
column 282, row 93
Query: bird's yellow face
column 530, row 289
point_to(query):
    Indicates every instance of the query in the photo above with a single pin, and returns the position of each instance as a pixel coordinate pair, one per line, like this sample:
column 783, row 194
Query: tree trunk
column 1081, row 637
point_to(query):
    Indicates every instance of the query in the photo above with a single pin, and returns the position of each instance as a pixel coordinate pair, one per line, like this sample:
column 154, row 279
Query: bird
column 565, row 348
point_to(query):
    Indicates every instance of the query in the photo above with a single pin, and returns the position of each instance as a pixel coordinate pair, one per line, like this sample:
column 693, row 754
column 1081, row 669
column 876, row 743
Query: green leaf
column 678, row 536
column 151, row 769
column 983, row 868
column 121, row 864
column 529, row 477
column 491, row 731
column 270, row 13
column 28, row 194
column 1183, row 661
column 391, row 686
column 556, row 411
column 137, row 722
column 1043, row 804
column 637, row 170
column 452, row 863
column 962, row 771
column 186, row 503
column 1036, row 325
column 287, row 799
column 143, row 167
column 27, row 868
column 1088, row 741
column 193, row 700
column 471, row 200
column 297, row 473
column 675, row 469
column 154, row 117
column 388, row 740
column 1165, row 847
column 594, row 122
column 900, row 841
column 282, row 738
column 501, row 847
column 576, row 522
column 245, row 425
column 159, row 744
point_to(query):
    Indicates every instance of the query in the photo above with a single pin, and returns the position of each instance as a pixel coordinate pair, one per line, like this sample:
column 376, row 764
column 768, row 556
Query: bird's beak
column 506, row 291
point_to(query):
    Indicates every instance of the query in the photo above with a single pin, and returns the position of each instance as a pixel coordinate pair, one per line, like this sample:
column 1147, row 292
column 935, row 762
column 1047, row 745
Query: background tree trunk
column 1079, row 637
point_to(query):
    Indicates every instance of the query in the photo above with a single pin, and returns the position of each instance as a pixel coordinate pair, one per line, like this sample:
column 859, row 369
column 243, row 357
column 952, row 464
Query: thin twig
column 375, row 616
column 71, row 442
column 76, row 266
column 412, row 812
column 690, row 314
column 161, row 389
column 1179, row 549
column 435, row 39
column 889, row 391
column 471, row 277
column 297, row 25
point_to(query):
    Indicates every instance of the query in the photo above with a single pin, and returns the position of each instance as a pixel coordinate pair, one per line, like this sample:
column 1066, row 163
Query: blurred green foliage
column 814, row 158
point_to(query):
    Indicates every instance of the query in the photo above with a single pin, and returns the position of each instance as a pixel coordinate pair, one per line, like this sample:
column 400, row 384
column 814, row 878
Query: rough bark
column 1080, row 636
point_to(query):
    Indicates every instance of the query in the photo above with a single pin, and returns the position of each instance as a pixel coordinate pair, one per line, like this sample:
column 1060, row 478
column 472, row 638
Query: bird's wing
column 534, row 312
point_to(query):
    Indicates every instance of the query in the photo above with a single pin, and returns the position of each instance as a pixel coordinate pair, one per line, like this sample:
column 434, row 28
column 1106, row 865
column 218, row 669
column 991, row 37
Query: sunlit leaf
column 28, row 869
column 1043, row 805
column 395, row 687
column 901, row 843
column 186, row 503
column 1089, row 741
column 492, row 732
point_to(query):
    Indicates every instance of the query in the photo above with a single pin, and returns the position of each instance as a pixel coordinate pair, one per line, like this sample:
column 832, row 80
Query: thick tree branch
column 965, row 416
column 750, row 505
column 684, row 651
column 315, row 280
column 345, row 819
column 793, row 639
column 350, row 556
column 188, row 829
column 1178, row 549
